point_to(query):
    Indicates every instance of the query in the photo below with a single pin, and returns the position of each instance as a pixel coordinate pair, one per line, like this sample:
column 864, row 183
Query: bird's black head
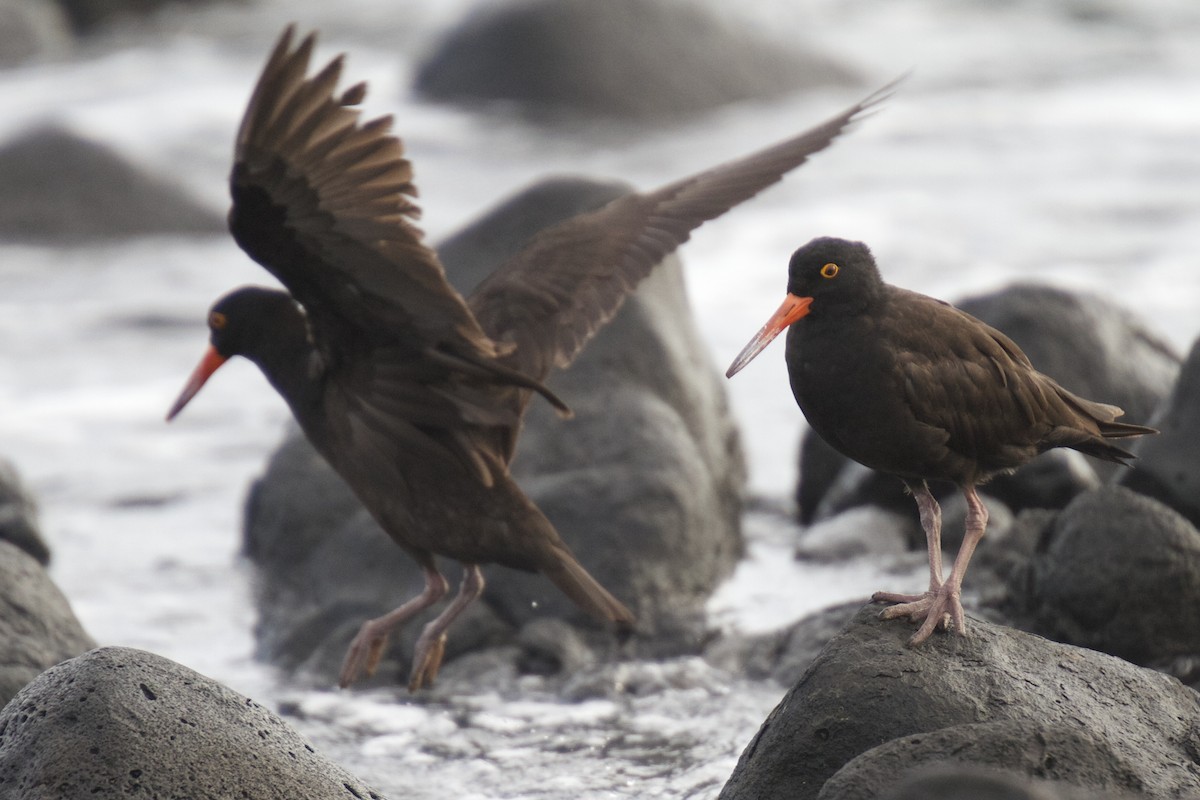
column 827, row 276
column 247, row 320
column 251, row 321
column 838, row 276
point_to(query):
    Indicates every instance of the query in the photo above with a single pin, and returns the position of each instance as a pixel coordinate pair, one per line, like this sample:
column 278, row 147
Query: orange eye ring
column 217, row 320
column 830, row 270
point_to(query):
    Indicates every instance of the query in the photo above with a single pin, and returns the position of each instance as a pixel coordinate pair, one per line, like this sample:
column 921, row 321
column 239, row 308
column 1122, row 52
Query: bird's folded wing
column 324, row 203
column 571, row 278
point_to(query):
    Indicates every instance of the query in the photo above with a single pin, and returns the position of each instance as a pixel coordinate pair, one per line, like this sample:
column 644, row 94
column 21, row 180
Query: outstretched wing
column 324, row 203
column 553, row 296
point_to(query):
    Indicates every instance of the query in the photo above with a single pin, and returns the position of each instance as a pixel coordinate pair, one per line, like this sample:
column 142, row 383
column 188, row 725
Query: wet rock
column 1021, row 748
column 646, row 60
column 18, row 515
column 867, row 688
column 1093, row 347
column 954, row 782
column 863, row 531
column 1119, row 572
column 780, row 655
column 643, row 483
column 37, row 626
column 63, row 189
column 88, row 15
column 31, row 29
column 1168, row 465
column 118, row 721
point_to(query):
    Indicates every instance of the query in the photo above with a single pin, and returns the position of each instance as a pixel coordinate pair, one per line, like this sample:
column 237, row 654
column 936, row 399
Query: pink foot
column 937, row 609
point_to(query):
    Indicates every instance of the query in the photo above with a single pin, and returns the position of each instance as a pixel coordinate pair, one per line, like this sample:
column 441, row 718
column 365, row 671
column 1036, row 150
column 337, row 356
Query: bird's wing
column 977, row 386
column 571, row 278
column 324, row 203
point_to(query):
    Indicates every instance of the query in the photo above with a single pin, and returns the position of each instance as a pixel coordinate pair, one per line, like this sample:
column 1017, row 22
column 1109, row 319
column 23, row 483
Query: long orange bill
column 208, row 365
column 793, row 308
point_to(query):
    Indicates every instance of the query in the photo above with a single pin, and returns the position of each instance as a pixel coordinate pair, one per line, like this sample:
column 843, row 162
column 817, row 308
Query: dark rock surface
column 1023, row 749
column 88, row 15
column 643, row 483
column 18, row 515
column 119, row 722
column 37, row 626
column 31, row 29
column 867, row 689
column 956, row 782
column 60, row 188
column 1119, row 572
column 646, row 60
column 1168, row 465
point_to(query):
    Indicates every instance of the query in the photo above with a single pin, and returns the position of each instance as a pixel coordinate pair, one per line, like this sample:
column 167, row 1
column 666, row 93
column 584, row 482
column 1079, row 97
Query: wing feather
column 324, row 202
column 571, row 278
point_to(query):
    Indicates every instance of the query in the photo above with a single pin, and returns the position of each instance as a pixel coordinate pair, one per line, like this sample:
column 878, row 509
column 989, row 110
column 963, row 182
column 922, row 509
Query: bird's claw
column 937, row 609
column 363, row 655
column 426, row 662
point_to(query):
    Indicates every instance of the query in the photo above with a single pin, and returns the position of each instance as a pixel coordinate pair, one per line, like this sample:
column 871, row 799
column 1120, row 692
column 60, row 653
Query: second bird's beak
column 211, row 362
column 793, row 308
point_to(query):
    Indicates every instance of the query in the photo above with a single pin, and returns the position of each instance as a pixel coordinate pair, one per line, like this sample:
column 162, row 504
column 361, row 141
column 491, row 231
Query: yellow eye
column 216, row 320
column 830, row 271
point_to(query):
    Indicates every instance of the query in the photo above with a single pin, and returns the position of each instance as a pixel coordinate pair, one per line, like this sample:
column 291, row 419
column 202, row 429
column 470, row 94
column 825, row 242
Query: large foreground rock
column 37, row 626
column 646, row 60
column 59, row 188
column 1005, row 698
column 118, row 722
column 643, row 483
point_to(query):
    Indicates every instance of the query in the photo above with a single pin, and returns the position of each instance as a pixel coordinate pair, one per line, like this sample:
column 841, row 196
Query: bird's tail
column 586, row 592
column 1104, row 416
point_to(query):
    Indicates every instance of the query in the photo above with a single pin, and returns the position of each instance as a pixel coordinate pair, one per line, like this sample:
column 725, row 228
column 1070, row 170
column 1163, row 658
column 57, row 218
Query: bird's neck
column 295, row 370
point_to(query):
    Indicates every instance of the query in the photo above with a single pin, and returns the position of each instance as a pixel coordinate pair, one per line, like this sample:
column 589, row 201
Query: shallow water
column 1064, row 149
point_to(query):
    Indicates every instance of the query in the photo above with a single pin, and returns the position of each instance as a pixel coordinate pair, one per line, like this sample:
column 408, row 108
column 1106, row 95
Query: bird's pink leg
column 945, row 602
column 366, row 649
column 431, row 645
column 931, row 523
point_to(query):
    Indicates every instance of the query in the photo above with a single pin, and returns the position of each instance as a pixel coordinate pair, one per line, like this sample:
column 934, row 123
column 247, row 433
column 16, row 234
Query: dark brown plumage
column 912, row 386
column 413, row 394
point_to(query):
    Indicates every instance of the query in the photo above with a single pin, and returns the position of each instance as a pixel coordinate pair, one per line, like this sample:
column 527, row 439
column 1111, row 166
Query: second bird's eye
column 216, row 320
column 830, row 270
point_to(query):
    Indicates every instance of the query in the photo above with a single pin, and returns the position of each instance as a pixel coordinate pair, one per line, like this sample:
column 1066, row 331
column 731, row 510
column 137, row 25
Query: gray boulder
column 60, row 188
column 37, row 626
column 118, row 722
column 1118, row 572
column 18, row 515
column 89, row 15
column 643, row 483
column 867, row 688
column 1168, row 465
column 31, row 29
column 647, row 60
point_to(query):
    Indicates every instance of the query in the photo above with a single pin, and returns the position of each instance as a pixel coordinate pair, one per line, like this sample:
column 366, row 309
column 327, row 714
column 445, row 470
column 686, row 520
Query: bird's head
column 826, row 276
column 242, row 323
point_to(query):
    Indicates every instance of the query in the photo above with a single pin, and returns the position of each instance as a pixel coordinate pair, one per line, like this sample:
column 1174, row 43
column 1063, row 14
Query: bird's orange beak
column 211, row 362
column 793, row 308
